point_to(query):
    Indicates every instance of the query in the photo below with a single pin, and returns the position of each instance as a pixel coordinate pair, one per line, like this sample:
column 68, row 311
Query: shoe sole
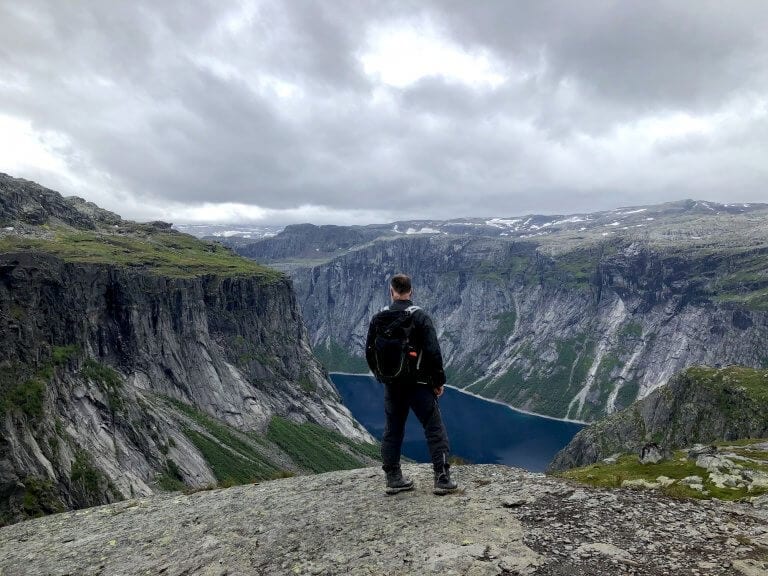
column 444, row 491
column 391, row 491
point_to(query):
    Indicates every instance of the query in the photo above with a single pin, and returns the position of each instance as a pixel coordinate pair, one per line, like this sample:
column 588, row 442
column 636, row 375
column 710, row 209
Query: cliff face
column 700, row 405
column 580, row 331
column 122, row 376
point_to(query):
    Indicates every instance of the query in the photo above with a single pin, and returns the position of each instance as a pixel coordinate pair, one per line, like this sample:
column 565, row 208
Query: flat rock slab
column 343, row 523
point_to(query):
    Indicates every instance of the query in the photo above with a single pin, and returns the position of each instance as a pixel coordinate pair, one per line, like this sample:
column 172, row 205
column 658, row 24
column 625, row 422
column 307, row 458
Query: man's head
column 400, row 287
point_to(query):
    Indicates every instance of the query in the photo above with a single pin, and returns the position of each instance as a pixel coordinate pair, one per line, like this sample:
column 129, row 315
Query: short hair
column 401, row 283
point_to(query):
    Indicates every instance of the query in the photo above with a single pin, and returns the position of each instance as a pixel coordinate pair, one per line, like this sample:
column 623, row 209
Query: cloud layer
column 355, row 111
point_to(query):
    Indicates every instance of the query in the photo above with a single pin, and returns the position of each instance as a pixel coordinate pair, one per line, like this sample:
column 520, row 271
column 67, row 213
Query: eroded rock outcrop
column 699, row 405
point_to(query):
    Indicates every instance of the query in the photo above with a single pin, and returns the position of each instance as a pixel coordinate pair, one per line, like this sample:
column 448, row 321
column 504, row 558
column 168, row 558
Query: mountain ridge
column 571, row 323
column 537, row 226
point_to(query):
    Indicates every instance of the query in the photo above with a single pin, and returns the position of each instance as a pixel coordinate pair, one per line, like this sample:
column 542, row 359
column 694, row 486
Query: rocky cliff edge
column 503, row 521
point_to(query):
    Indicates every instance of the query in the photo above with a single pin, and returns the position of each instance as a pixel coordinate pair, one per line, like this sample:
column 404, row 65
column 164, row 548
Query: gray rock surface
column 342, row 523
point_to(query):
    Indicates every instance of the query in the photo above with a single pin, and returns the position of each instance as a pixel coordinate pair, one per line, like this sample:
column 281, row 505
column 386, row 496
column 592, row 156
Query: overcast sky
column 369, row 111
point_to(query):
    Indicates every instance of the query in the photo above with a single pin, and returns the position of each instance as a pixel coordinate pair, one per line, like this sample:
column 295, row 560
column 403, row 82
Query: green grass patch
column 166, row 253
column 230, row 454
column 753, row 381
column 244, row 352
column 757, row 300
column 171, row 479
column 318, row 449
column 107, row 379
column 546, row 389
column 229, row 465
column 506, row 325
column 60, row 355
column 738, row 275
column 627, row 394
column 234, row 459
column 222, row 432
column 628, row 467
column 491, row 272
column 100, row 374
column 478, row 386
column 306, row 384
column 632, row 330
column 89, row 483
column 336, row 358
column 499, row 270
column 22, row 390
column 576, row 268
column 40, row 497
column 84, row 474
column 27, row 397
column 462, row 375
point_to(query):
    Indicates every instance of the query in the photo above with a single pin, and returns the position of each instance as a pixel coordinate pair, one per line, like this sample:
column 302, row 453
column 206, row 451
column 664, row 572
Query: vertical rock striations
column 576, row 332
column 134, row 358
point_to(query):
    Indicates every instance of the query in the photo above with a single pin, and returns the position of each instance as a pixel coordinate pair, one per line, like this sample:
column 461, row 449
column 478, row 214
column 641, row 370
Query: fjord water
column 480, row 431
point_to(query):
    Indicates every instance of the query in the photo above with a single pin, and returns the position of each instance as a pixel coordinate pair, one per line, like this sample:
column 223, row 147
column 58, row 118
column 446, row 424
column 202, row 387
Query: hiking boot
column 397, row 483
column 443, row 482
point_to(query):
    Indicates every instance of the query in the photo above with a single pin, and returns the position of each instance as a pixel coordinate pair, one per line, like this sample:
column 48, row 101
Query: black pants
column 398, row 399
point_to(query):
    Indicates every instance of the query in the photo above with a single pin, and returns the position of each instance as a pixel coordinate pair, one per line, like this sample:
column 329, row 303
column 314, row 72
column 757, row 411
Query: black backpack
column 394, row 356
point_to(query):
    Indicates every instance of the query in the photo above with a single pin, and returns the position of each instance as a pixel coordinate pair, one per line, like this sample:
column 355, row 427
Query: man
column 415, row 383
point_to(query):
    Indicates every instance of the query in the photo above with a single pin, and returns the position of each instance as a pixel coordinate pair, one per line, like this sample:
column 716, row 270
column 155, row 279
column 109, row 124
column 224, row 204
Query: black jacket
column 423, row 339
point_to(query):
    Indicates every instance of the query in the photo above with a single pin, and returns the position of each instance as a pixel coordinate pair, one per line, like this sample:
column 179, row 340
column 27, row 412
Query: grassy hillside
column 285, row 449
column 166, row 253
column 753, row 382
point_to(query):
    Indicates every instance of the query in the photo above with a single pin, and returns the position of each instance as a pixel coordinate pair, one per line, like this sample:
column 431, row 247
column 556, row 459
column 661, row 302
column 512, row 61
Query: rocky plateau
column 503, row 521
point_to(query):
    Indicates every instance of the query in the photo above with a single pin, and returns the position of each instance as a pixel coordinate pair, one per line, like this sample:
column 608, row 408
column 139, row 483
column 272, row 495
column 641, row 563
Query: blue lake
column 480, row 431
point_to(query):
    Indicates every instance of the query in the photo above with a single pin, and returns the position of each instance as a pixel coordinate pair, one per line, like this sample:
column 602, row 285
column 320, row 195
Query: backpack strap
column 410, row 309
column 408, row 312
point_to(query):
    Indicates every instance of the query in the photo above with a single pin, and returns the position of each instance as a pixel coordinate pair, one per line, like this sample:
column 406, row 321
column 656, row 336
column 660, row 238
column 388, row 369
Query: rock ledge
column 503, row 521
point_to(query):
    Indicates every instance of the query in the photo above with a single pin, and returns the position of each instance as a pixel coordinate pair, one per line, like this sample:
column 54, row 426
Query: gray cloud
column 157, row 108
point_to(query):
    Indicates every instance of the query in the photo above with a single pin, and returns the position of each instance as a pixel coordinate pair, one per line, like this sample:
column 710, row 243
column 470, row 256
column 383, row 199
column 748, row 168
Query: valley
column 568, row 316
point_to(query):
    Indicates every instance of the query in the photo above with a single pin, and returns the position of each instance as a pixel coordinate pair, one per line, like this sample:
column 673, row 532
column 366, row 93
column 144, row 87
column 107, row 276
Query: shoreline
column 519, row 410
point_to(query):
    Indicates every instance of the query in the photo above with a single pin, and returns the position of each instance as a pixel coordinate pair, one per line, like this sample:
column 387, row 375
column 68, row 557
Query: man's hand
column 439, row 391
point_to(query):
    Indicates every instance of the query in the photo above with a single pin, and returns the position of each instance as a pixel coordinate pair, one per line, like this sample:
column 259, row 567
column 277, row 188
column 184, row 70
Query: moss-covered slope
column 729, row 471
column 698, row 405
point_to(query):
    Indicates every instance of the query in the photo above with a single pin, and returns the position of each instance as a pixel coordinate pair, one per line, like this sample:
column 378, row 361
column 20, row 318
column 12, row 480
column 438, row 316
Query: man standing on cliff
column 403, row 352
